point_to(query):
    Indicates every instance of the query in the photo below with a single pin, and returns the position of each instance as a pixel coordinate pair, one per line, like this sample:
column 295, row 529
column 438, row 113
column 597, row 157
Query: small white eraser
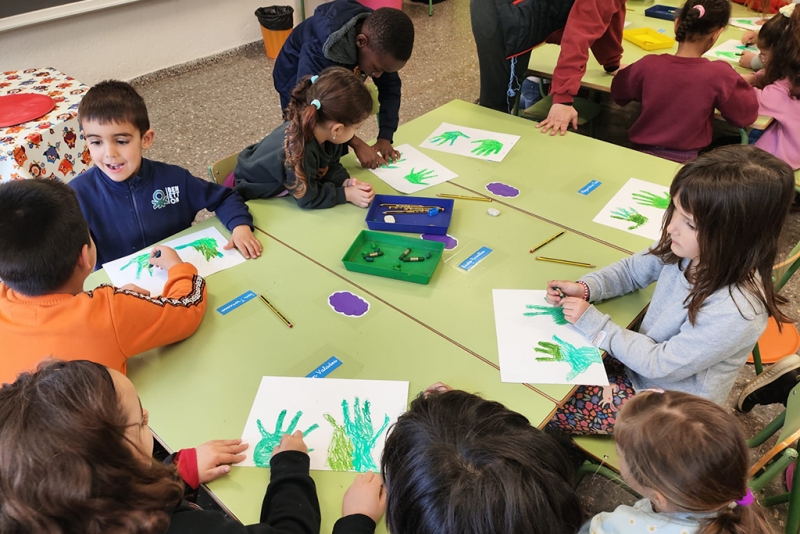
column 494, row 212
column 388, row 218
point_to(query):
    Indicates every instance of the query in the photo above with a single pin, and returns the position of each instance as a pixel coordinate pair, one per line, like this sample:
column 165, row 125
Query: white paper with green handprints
column 203, row 249
column 343, row 421
column 472, row 142
column 537, row 345
column 730, row 51
column 748, row 23
column 413, row 172
column 638, row 208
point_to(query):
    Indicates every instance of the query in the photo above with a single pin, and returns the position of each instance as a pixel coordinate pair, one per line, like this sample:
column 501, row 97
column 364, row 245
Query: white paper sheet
column 638, row 208
column 203, row 249
column 344, row 421
column 748, row 23
column 538, row 346
column 730, row 51
column 413, row 172
column 471, row 142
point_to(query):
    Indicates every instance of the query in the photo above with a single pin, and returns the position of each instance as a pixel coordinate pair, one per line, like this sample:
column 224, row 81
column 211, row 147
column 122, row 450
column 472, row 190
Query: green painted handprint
column 269, row 440
column 646, row 198
column 555, row 312
column 730, row 55
column 207, row 246
column 142, row 262
column 579, row 359
column 487, row 147
column 393, row 164
column 447, row 136
column 354, row 440
column 419, row 177
column 630, row 215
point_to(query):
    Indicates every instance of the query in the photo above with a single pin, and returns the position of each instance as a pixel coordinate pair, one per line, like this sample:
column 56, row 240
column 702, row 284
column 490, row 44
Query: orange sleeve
column 143, row 323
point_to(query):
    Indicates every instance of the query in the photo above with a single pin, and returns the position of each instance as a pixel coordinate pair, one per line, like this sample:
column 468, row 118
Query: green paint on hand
column 393, row 164
column 207, row 246
column 630, row 215
column 646, row 198
column 487, row 147
column 142, row 262
column 555, row 312
column 269, row 440
column 579, row 359
column 419, row 178
column 353, row 441
column 447, row 136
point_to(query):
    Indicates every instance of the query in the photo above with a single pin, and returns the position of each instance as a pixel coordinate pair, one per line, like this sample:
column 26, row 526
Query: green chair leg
column 775, row 425
column 774, row 469
column 430, row 8
column 774, row 500
column 590, row 468
column 793, row 517
column 757, row 360
column 744, row 138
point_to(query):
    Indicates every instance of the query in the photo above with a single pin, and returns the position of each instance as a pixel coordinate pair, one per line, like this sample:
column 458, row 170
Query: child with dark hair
column 131, row 202
column 711, row 301
column 778, row 85
column 46, row 254
column 676, row 122
column 371, row 43
column 689, row 460
column 458, row 464
column 302, row 155
column 77, row 457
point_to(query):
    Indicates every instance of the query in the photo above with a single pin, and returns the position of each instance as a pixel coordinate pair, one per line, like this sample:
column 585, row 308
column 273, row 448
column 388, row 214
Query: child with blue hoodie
column 131, row 202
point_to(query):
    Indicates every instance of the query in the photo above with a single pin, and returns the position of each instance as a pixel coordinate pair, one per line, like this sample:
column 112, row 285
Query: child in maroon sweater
column 679, row 93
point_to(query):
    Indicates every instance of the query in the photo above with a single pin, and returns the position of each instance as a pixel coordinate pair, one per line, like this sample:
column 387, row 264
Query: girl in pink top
column 777, row 86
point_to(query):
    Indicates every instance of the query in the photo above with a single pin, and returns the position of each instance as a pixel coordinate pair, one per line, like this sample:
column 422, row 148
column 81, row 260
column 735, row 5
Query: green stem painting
column 578, row 358
column 142, row 262
column 556, row 313
column 207, row 246
column 354, row 440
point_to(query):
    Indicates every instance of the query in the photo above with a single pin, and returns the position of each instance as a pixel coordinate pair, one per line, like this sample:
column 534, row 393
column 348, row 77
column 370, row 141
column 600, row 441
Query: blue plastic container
column 660, row 11
column 415, row 223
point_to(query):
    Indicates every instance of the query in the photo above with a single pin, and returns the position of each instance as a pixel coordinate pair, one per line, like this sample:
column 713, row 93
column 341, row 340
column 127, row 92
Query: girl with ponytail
column 688, row 458
column 302, row 155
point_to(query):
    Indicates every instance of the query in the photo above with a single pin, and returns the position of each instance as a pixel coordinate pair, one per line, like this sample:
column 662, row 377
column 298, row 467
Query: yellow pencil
column 461, row 197
column 276, row 312
column 546, row 241
column 565, row 262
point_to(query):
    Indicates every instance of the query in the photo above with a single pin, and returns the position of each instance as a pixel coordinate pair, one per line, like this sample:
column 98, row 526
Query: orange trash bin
column 276, row 23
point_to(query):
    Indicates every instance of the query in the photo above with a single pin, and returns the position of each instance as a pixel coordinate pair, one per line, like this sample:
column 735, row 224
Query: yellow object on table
column 648, row 38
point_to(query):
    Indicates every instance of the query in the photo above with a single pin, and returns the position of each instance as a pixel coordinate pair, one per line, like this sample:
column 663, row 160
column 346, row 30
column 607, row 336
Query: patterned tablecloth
column 51, row 146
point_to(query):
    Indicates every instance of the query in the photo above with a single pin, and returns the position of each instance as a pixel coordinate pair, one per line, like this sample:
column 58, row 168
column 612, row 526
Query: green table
column 203, row 388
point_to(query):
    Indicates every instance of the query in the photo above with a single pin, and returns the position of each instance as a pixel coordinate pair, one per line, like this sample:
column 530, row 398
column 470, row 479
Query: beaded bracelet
column 585, row 290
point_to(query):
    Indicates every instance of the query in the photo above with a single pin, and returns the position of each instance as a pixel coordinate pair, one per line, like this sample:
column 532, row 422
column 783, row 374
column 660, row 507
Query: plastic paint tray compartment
column 392, row 247
column 660, row 11
column 648, row 38
column 416, row 223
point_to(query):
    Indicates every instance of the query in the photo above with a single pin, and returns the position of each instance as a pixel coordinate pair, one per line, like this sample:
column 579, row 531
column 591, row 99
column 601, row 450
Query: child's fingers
column 229, row 245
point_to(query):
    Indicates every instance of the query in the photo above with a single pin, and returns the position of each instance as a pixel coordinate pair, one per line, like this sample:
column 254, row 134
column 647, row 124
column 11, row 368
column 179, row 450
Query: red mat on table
column 24, row 107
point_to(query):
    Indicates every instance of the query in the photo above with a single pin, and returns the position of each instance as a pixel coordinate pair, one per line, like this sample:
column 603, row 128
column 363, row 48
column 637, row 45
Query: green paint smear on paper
column 556, row 313
column 646, row 198
column 487, row 147
column 630, row 215
column 579, row 359
column 419, row 177
column 269, row 440
column 393, row 164
column 447, row 136
column 729, row 55
column 207, row 246
column 354, row 440
column 142, row 262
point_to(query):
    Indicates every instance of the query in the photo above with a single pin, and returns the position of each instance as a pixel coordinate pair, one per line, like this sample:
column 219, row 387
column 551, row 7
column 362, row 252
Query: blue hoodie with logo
column 161, row 200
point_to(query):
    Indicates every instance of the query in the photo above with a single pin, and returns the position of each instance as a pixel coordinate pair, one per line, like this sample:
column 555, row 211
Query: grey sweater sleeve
column 623, row 277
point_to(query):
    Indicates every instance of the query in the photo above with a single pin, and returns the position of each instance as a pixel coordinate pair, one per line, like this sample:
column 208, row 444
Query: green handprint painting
column 354, row 440
column 646, row 198
column 419, row 177
column 445, row 137
column 269, row 440
column 207, row 246
column 487, row 147
column 142, row 262
column 393, row 164
column 729, row 55
column 579, row 359
column 555, row 312
column 630, row 215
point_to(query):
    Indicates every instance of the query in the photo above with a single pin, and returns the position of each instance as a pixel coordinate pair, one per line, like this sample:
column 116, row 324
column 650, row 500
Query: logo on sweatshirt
column 171, row 195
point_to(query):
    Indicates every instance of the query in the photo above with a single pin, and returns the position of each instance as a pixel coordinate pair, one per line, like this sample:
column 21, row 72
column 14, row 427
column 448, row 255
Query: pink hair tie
column 747, row 500
column 701, row 9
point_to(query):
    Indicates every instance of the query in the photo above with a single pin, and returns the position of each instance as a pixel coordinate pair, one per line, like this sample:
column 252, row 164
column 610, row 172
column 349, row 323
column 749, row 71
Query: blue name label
column 476, row 258
column 588, row 188
column 326, row 368
column 235, row 303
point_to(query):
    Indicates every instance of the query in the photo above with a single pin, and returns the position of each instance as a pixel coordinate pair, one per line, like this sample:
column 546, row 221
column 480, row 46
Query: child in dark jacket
column 302, row 155
column 131, row 202
column 345, row 33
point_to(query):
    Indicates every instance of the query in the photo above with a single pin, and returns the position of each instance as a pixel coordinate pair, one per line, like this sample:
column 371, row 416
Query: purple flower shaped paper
column 449, row 241
column 502, row 190
column 348, row 304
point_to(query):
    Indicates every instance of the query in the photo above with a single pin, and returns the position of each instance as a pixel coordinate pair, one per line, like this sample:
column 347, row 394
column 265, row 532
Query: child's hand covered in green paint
column 214, row 458
column 574, row 308
column 365, row 496
column 167, row 259
column 293, row 442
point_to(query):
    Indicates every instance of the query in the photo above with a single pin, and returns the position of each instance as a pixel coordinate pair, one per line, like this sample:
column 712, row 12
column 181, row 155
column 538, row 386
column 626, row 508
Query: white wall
column 135, row 39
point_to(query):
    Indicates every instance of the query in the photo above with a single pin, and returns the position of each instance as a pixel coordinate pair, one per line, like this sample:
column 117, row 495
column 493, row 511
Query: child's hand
column 746, row 59
column 557, row 288
column 243, row 239
column 358, row 196
column 559, row 119
column 214, row 458
column 574, row 307
column 365, row 496
column 367, row 156
column 749, row 37
column 291, row 443
column 384, row 146
column 164, row 257
column 134, row 287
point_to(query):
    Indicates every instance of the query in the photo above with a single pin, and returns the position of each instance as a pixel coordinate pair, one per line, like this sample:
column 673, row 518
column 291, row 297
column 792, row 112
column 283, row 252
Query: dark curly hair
column 780, row 35
column 694, row 24
column 392, row 32
column 113, row 101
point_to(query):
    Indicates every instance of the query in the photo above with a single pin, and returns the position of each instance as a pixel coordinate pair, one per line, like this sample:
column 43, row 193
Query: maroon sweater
column 679, row 95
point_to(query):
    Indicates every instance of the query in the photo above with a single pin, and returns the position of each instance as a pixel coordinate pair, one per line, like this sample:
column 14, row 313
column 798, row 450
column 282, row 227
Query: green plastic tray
column 392, row 247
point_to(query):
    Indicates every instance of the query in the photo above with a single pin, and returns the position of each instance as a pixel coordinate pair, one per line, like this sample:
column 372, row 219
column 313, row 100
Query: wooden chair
column 219, row 170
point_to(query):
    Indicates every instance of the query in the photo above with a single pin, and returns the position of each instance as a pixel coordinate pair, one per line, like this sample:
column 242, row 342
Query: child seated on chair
column 131, row 202
column 688, row 458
